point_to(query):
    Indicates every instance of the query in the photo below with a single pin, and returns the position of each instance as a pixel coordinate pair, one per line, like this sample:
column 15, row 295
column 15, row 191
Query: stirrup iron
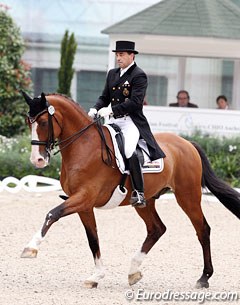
column 137, row 199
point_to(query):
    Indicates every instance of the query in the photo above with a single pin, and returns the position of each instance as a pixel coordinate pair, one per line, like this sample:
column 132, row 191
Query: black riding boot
column 137, row 197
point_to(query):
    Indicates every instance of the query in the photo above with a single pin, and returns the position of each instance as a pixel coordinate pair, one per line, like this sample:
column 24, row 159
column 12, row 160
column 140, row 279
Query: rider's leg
column 131, row 135
column 137, row 198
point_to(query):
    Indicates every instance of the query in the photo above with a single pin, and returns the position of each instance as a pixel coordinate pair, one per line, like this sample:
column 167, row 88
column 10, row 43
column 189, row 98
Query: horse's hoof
column 29, row 253
column 90, row 284
column 200, row 285
column 134, row 278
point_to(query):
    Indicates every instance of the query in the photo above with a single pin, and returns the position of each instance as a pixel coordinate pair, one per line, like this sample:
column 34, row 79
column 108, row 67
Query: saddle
column 142, row 152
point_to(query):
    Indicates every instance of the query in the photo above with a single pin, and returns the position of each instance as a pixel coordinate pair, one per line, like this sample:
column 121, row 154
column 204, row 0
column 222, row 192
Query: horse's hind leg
column 204, row 238
column 191, row 204
column 89, row 222
column 155, row 229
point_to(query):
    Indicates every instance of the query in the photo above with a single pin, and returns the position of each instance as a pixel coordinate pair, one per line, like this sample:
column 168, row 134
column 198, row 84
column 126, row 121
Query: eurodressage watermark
column 200, row 297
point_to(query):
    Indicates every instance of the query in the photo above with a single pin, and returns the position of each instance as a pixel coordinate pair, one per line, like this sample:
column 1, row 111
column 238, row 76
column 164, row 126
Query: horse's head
column 40, row 118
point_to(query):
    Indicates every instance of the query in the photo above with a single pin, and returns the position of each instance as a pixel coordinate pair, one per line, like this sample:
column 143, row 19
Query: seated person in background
column 222, row 102
column 183, row 100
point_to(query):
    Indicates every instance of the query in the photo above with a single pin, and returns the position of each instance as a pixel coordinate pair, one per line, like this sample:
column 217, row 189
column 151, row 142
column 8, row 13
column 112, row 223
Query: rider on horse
column 122, row 99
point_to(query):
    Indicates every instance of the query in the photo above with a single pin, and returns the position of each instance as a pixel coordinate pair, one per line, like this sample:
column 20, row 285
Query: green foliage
column 223, row 154
column 14, row 159
column 66, row 71
column 15, row 75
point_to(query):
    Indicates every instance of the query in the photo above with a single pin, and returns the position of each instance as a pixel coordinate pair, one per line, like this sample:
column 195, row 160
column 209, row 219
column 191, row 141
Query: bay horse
column 89, row 181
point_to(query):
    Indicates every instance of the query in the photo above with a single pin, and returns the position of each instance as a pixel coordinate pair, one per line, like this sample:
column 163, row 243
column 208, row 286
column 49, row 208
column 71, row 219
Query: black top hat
column 125, row 46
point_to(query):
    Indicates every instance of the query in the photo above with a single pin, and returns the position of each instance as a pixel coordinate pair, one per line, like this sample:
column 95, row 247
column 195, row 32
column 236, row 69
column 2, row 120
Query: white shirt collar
column 122, row 71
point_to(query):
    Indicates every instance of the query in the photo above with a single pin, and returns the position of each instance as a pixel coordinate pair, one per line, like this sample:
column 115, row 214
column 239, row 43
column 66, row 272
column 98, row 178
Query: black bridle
column 51, row 143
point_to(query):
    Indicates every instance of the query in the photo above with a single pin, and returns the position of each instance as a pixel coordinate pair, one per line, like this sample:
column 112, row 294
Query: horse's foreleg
column 31, row 249
column 155, row 229
column 89, row 222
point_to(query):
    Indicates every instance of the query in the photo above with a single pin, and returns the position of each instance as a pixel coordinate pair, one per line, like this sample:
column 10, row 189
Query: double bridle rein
column 51, row 143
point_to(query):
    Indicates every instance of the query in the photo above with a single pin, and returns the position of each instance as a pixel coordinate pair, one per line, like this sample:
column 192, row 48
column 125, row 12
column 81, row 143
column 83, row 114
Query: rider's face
column 124, row 59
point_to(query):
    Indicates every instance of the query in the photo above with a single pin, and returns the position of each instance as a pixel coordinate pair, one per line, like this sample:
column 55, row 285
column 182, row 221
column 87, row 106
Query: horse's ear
column 27, row 98
column 43, row 99
column 43, row 96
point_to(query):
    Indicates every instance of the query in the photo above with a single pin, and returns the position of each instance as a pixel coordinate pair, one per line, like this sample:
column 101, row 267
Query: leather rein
column 51, row 143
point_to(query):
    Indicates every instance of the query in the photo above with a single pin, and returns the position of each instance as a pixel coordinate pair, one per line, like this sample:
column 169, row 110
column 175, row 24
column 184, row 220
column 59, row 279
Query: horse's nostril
column 40, row 159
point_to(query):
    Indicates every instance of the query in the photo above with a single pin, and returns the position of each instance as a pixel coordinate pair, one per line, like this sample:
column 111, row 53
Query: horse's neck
column 80, row 141
column 74, row 120
column 79, row 137
column 73, row 125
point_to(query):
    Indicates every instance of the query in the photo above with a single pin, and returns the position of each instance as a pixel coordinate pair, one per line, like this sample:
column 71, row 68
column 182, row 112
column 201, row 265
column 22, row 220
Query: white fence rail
column 30, row 183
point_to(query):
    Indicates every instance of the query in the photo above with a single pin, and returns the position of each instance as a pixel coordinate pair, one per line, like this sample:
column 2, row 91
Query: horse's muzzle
column 39, row 160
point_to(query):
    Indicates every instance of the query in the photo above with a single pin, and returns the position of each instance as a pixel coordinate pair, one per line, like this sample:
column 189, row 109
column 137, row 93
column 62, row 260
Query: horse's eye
column 43, row 123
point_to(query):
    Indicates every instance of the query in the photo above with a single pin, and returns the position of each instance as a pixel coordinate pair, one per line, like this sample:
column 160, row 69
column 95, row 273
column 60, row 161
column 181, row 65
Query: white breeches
column 130, row 132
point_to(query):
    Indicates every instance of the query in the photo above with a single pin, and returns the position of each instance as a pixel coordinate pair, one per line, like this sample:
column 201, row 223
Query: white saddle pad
column 149, row 166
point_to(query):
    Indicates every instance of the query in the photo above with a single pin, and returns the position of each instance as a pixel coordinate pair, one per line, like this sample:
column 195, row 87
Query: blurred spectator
column 183, row 99
column 222, row 102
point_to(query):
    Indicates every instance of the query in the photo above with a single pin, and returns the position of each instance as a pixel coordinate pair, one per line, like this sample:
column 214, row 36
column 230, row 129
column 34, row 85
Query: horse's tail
column 225, row 194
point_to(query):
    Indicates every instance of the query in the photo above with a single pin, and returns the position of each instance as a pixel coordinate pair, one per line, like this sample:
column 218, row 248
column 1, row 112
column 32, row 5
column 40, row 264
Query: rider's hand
column 92, row 112
column 105, row 111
